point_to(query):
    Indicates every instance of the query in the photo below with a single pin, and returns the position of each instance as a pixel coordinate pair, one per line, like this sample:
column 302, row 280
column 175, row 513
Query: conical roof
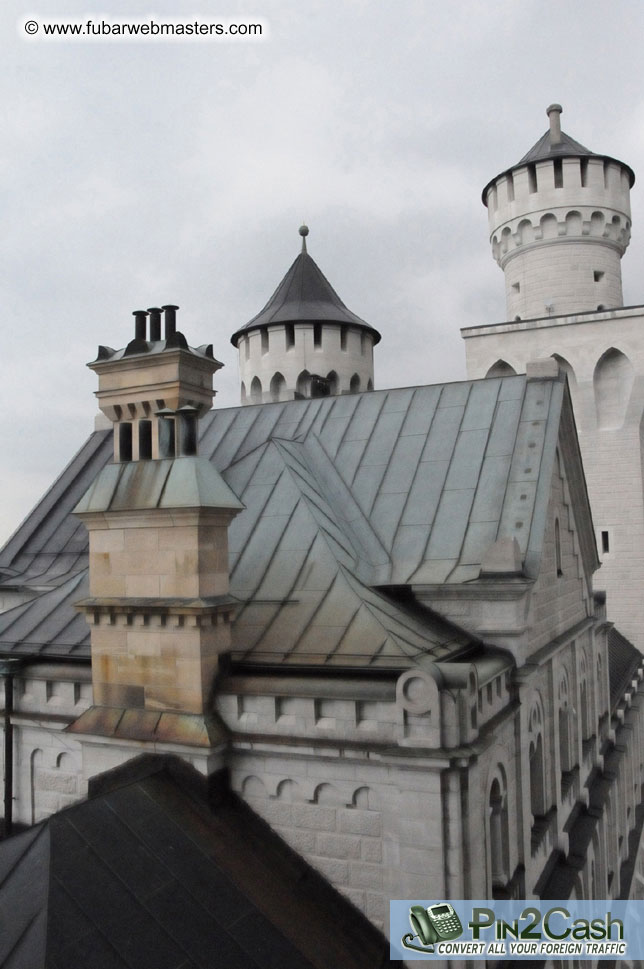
column 304, row 295
column 555, row 143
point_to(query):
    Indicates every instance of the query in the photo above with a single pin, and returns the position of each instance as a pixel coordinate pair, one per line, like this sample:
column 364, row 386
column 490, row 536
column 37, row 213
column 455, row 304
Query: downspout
column 8, row 669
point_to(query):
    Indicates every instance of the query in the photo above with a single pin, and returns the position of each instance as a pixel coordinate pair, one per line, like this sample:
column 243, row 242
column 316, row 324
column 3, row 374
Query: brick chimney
column 157, row 516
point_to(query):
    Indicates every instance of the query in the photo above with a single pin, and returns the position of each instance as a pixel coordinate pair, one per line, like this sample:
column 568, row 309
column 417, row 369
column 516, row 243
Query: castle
column 373, row 615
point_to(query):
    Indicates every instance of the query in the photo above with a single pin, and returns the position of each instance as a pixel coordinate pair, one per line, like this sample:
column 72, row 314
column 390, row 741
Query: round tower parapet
column 559, row 224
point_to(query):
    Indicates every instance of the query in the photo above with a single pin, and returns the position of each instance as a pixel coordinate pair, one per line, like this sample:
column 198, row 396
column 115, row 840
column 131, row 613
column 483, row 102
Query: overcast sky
column 137, row 174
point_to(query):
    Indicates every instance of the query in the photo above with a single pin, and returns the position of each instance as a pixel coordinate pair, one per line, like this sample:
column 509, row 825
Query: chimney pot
column 155, row 323
column 170, row 312
column 139, row 324
column 554, row 112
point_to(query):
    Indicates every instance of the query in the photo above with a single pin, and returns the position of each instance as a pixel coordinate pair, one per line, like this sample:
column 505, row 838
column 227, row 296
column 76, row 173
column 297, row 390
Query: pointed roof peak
column 555, row 143
column 304, row 295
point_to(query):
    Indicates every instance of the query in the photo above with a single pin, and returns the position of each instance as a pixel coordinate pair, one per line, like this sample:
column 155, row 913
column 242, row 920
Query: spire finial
column 304, row 231
column 554, row 115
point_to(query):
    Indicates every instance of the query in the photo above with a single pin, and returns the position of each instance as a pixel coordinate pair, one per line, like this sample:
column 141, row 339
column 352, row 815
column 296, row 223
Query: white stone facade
column 603, row 356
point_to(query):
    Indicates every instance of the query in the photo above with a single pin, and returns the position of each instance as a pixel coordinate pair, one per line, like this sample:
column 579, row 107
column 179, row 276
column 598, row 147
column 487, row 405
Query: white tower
column 559, row 224
column 305, row 342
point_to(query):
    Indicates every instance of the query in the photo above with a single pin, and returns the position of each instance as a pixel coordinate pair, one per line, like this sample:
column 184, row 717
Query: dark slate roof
column 345, row 497
column 542, row 150
column 623, row 662
column 305, row 294
column 146, row 875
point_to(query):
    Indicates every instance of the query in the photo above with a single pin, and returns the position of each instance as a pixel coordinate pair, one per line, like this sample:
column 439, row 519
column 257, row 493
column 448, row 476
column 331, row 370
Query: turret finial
column 554, row 112
column 304, row 231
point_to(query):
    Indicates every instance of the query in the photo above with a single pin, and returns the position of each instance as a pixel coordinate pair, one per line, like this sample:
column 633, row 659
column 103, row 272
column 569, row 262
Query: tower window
column 264, row 333
column 145, row 440
column 510, row 184
column 363, row 343
column 289, row 331
column 558, row 170
column 532, row 178
column 583, row 170
column 247, row 348
column 125, row 442
column 605, row 543
column 598, row 275
column 516, row 287
column 558, row 548
column 343, row 338
column 317, row 335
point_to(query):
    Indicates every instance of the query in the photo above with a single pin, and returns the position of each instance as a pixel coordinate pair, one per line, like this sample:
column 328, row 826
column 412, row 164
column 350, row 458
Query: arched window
column 501, row 369
column 354, row 385
column 499, row 833
column 612, row 383
column 256, row 391
column 243, row 392
column 333, row 383
column 303, row 384
column 537, row 782
column 565, row 727
column 538, row 798
column 278, row 386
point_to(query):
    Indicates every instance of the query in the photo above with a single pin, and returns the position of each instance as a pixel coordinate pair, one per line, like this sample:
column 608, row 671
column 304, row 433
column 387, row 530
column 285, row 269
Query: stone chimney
column 157, row 516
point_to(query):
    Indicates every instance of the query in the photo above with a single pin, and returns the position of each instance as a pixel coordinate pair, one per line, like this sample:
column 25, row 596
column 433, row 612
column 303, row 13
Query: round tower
column 305, row 342
column 560, row 222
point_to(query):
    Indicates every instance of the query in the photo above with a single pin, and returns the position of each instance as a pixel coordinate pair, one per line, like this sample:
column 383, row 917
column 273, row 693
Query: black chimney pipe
column 139, row 324
column 155, row 324
column 170, row 320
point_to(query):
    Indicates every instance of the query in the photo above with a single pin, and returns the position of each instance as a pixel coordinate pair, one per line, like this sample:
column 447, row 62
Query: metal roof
column 304, row 294
column 344, row 498
column 145, row 875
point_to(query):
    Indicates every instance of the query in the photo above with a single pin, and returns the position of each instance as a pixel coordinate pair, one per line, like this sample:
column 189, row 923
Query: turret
column 559, row 224
column 305, row 342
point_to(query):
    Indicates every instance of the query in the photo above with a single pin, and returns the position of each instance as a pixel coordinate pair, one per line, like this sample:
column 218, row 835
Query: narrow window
column 125, row 442
column 145, row 440
column 584, row 172
column 317, row 335
column 605, row 174
column 247, row 348
column 343, row 338
column 558, row 547
column 166, row 437
column 510, row 188
column 532, row 178
column 516, row 287
column 605, row 543
column 598, row 275
column 363, row 343
column 558, row 169
column 264, row 333
column 289, row 330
